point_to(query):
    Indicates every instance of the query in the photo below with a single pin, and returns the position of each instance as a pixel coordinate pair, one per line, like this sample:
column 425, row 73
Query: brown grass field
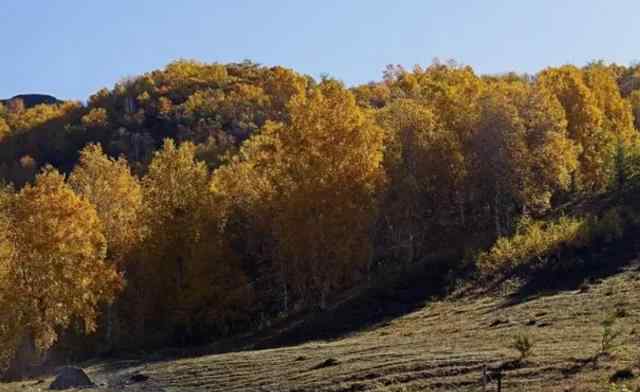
column 400, row 340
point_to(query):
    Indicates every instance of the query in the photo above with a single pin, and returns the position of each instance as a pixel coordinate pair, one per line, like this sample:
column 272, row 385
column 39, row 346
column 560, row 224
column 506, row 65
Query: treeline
column 193, row 202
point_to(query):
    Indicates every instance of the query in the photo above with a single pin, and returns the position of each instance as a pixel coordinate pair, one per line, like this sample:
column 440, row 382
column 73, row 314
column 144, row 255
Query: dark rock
column 531, row 322
column 138, row 378
column 621, row 312
column 327, row 363
column 621, row 375
column 71, row 377
column 497, row 322
column 505, row 366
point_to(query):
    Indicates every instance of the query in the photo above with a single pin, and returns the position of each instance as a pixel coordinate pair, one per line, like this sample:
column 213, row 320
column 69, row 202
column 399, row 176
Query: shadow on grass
column 576, row 271
column 373, row 307
column 392, row 297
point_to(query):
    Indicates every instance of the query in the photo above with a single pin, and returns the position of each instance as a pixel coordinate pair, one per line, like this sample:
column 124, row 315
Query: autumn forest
column 201, row 201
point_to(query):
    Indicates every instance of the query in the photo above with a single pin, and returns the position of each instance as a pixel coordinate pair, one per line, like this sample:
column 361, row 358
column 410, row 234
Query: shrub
column 533, row 240
column 523, row 345
column 618, row 388
column 610, row 334
column 609, row 227
column 536, row 240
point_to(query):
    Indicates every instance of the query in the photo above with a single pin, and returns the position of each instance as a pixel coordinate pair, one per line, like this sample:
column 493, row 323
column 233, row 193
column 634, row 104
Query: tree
column 58, row 272
column 4, row 129
column 96, row 118
column 117, row 196
column 551, row 157
column 618, row 116
column 190, row 268
column 521, row 151
column 598, row 120
column 314, row 181
column 634, row 101
column 108, row 184
column 10, row 326
column 418, row 161
column 453, row 92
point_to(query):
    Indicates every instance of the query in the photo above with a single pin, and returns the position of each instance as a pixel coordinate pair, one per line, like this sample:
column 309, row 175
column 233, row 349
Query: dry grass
column 442, row 346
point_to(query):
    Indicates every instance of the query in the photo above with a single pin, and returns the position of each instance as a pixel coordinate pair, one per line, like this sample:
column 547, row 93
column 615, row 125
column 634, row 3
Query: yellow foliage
column 424, row 168
column 634, row 102
column 96, row 118
column 117, row 195
column 312, row 182
column 618, row 117
column 189, row 269
column 534, row 240
column 598, row 119
column 538, row 158
column 57, row 271
column 4, row 129
column 39, row 115
column 10, row 325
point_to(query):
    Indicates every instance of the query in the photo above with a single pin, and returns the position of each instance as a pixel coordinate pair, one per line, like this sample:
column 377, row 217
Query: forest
column 203, row 200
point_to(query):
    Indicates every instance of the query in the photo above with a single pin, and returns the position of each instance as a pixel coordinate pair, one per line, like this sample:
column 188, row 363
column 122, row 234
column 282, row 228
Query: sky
column 72, row 48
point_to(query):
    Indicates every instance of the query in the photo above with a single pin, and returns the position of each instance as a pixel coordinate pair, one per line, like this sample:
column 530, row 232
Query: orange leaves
column 634, row 102
column 598, row 119
column 96, row 118
column 311, row 183
column 188, row 262
column 117, row 195
column 58, row 263
column 4, row 129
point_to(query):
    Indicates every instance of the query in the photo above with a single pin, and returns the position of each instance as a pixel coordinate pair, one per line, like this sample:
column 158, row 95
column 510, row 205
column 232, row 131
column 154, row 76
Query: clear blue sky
column 72, row 48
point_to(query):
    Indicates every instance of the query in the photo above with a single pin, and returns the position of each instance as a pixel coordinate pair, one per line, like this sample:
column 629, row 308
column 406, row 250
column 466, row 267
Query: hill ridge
column 31, row 100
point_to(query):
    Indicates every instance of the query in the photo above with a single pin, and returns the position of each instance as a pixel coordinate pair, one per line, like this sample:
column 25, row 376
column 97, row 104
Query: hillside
column 397, row 339
column 264, row 212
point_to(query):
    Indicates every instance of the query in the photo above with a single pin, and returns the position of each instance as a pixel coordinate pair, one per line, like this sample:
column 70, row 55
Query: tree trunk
column 574, row 183
column 496, row 213
column 24, row 359
column 109, row 327
column 285, row 294
column 141, row 314
column 324, row 292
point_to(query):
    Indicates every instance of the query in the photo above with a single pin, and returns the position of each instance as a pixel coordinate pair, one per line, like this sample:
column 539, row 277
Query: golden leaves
column 117, row 196
column 57, row 270
column 311, row 183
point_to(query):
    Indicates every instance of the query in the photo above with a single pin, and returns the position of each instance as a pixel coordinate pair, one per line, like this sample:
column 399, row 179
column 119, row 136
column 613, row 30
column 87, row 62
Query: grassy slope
column 421, row 346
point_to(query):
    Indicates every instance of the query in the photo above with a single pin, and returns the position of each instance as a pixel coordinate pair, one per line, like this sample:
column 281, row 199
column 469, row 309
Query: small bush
column 607, row 228
column 609, row 341
column 523, row 345
column 533, row 241
column 618, row 388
